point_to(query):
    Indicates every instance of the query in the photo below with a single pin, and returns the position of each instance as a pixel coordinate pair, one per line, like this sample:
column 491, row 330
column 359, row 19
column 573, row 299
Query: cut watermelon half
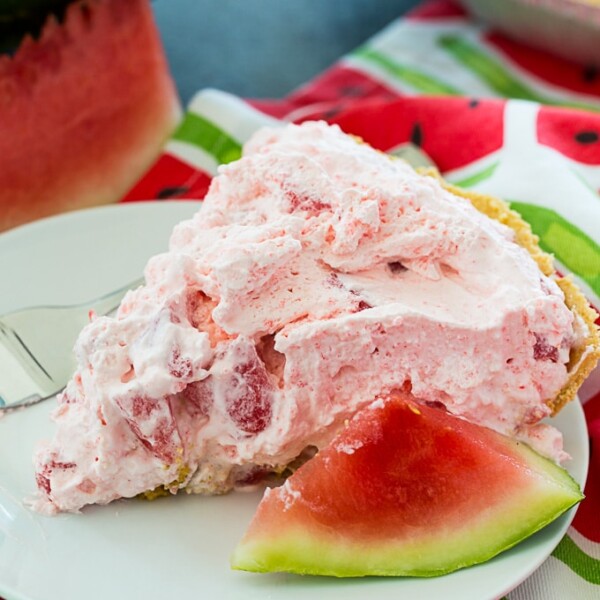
column 405, row 489
column 85, row 110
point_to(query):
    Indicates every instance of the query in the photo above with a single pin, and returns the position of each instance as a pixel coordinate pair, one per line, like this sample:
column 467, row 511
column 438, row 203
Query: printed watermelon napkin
column 495, row 117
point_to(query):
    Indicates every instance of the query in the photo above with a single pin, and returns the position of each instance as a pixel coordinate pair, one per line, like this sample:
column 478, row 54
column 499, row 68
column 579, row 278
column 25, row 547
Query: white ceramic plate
column 173, row 547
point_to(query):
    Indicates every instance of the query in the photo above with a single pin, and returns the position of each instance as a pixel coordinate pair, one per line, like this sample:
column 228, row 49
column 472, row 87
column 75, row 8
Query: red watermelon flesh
column 405, row 489
column 85, row 110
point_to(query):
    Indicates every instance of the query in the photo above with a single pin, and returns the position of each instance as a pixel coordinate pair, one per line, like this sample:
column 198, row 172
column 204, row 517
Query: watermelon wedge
column 405, row 489
column 85, row 110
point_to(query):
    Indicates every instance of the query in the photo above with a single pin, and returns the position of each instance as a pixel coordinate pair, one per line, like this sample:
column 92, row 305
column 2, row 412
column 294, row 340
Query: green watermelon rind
column 306, row 549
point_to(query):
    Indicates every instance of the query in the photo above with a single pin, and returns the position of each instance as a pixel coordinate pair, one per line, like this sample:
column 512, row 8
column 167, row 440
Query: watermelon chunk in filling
column 405, row 489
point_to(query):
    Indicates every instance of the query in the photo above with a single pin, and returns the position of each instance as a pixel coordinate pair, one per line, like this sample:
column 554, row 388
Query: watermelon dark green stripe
column 577, row 560
column 573, row 248
column 416, row 79
column 496, row 76
column 200, row 132
column 477, row 177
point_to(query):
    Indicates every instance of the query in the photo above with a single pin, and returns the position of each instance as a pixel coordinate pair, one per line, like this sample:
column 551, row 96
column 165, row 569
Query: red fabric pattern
column 552, row 69
column 170, row 178
column 337, row 88
column 574, row 133
column 435, row 9
column 452, row 131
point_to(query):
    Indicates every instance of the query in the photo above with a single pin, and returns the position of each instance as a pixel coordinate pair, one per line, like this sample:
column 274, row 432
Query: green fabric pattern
column 577, row 560
column 424, row 84
column 198, row 131
column 577, row 251
column 476, row 178
column 496, row 76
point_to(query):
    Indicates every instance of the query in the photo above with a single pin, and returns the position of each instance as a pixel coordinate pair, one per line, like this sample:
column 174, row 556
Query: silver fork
column 36, row 348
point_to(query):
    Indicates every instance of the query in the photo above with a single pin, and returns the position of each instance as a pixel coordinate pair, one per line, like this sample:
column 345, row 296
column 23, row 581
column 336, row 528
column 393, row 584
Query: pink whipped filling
column 318, row 275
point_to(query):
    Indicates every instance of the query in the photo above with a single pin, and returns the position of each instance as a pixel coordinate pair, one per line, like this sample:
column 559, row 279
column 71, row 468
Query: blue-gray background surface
column 263, row 48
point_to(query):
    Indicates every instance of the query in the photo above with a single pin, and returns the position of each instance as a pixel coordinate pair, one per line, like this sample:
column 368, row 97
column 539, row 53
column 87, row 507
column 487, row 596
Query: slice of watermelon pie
column 318, row 275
